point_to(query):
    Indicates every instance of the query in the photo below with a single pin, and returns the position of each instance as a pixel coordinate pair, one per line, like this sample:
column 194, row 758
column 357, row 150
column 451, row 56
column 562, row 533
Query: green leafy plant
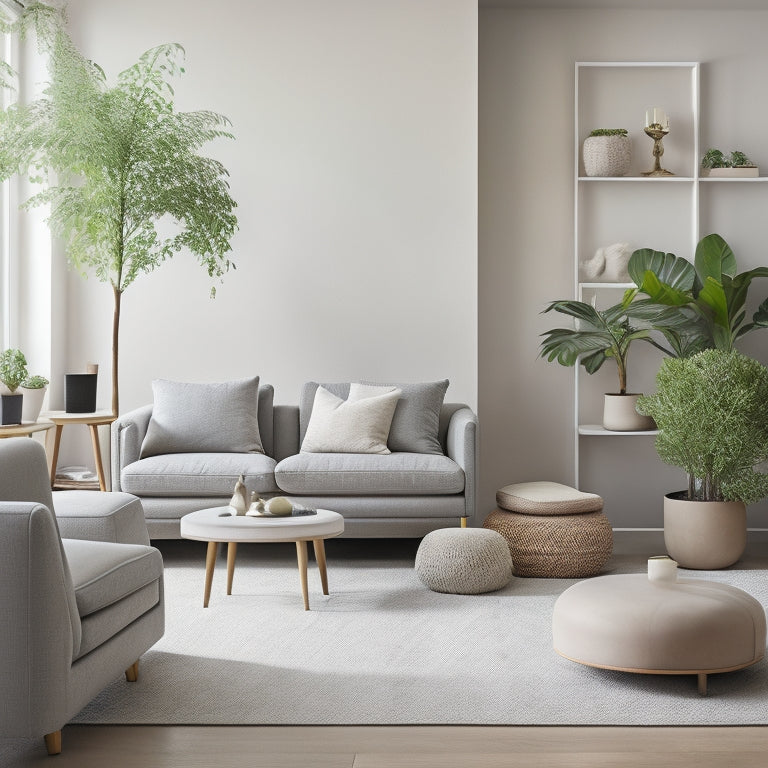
column 609, row 132
column 711, row 411
column 740, row 160
column 13, row 368
column 714, row 158
column 597, row 336
column 35, row 382
column 124, row 160
column 696, row 306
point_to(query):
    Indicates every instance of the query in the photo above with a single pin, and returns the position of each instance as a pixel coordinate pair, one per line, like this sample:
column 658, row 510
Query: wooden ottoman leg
column 319, row 546
column 301, row 554
column 210, row 563
column 53, row 742
column 231, row 555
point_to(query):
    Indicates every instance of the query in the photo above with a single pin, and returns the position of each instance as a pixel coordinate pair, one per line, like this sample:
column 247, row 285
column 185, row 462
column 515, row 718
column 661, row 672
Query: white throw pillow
column 359, row 424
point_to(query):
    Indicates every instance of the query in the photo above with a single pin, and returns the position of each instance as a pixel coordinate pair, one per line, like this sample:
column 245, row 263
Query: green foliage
column 714, row 158
column 35, row 382
column 13, row 368
column 609, row 132
column 712, row 414
column 695, row 306
column 598, row 335
column 740, row 160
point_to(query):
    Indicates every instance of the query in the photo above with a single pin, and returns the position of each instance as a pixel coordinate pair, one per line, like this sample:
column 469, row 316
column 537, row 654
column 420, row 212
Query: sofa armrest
column 128, row 433
column 461, row 446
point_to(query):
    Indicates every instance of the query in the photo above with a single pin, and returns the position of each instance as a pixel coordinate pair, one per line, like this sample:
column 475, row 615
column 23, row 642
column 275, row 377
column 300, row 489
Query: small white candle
column 656, row 116
column 662, row 568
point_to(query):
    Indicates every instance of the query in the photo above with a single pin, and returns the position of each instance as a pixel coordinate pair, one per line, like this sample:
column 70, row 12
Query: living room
column 404, row 178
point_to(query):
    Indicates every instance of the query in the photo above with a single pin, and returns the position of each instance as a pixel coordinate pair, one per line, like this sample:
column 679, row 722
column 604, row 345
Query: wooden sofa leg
column 53, row 742
column 132, row 673
column 463, row 522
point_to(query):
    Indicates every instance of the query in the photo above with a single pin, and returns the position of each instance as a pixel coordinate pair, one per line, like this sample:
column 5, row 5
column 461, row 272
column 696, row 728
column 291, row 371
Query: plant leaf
column 714, row 258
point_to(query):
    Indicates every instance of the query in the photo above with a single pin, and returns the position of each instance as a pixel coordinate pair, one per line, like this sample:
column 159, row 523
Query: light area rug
column 383, row 649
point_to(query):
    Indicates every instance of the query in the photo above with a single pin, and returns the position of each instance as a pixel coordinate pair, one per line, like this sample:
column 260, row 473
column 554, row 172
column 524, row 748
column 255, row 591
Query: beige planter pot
column 607, row 155
column 704, row 534
column 620, row 414
column 33, row 402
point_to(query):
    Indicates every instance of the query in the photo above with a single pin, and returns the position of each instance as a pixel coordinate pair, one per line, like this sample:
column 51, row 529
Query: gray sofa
column 404, row 493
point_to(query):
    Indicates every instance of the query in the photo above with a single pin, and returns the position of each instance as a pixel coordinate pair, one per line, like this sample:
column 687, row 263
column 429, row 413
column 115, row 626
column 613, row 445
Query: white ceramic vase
column 33, row 402
column 620, row 414
column 704, row 534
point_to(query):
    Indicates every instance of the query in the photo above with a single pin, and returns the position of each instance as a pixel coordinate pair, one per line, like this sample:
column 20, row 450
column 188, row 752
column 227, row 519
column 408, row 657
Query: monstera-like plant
column 120, row 159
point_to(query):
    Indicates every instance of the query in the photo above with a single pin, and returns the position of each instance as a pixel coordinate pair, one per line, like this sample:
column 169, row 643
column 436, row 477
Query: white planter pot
column 620, row 414
column 33, row 402
column 740, row 172
column 607, row 155
column 704, row 534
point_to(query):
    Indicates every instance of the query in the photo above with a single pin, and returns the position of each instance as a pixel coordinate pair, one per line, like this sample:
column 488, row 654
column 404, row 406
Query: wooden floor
column 398, row 747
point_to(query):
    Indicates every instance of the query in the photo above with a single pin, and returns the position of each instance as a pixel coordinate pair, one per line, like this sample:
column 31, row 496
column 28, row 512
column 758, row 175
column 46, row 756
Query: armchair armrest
column 128, row 432
column 461, row 446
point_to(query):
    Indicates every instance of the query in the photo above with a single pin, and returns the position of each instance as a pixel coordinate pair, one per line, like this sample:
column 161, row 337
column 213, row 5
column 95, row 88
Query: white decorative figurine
column 239, row 500
column 608, row 265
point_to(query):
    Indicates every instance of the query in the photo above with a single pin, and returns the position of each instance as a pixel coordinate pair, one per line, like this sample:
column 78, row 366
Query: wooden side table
column 94, row 421
column 25, row 429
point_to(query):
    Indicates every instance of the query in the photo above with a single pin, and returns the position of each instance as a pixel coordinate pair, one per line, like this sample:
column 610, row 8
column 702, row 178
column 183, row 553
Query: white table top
column 221, row 524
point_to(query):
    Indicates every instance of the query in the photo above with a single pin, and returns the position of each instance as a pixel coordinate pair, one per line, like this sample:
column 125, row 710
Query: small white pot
column 620, row 414
column 704, row 534
column 33, row 402
column 607, row 155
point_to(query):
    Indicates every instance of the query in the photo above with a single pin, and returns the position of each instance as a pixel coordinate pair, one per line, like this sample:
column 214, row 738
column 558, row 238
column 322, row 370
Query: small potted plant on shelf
column 33, row 388
column 711, row 411
column 598, row 335
column 607, row 152
column 716, row 165
column 13, row 370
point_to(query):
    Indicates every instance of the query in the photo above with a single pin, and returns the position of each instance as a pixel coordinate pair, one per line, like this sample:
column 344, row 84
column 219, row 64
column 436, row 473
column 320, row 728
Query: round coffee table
column 219, row 524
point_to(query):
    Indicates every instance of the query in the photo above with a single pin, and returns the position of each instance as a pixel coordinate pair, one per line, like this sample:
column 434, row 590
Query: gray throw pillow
column 416, row 423
column 203, row 418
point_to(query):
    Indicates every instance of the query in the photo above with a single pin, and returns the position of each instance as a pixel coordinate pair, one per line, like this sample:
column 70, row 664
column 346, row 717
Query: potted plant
column 13, row 370
column 33, row 388
column 598, row 335
column 738, row 165
column 711, row 410
column 607, row 152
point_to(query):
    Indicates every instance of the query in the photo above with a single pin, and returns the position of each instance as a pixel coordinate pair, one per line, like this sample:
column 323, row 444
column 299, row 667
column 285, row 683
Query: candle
column 656, row 116
column 662, row 568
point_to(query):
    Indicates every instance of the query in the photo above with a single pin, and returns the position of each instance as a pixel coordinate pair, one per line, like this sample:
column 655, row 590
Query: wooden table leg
column 97, row 456
column 319, row 545
column 231, row 555
column 210, row 562
column 55, row 455
column 301, row 553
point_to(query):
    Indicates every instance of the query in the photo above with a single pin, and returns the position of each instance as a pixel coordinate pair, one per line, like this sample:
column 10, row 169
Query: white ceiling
column 729, row 5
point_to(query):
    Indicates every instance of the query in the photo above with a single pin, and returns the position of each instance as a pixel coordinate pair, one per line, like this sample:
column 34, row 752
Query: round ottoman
column 632, row 623
column 464, row 561
column 553, row 530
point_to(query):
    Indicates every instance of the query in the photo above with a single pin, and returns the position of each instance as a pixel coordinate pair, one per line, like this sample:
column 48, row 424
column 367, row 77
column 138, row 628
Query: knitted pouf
column 555, row 546
column 464, row 561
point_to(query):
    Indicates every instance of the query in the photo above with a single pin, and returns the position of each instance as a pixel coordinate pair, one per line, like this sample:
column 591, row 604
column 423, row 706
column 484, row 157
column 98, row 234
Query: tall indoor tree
column 115, row 160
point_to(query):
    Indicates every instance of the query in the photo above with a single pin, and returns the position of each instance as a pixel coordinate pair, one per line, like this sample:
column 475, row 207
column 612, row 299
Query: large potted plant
column 596, row 336
column 13, row 370
column 123, row 158
column 711, row 410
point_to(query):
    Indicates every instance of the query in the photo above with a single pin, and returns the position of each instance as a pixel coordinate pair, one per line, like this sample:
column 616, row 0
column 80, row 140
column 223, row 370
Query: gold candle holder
column 657, row 127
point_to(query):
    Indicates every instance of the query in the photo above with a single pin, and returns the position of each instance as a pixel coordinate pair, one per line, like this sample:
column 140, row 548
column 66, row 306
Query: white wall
column 355, row 171
column 526, row 162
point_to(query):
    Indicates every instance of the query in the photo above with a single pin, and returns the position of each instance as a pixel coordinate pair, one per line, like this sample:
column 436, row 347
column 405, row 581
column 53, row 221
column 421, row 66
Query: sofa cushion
column 359, row 424
column 198, row 474
column 195, row 418
column 369, row 474
column 415, row 424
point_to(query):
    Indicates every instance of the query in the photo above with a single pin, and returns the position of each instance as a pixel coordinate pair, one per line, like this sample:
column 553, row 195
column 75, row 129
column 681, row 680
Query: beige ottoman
column 631, row 623
column 553, row 530
column 463, row 561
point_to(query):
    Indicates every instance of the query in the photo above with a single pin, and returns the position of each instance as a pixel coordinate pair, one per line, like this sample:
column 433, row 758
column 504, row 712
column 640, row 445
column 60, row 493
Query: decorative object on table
column 657, row 127
column 713, row 423
column 716, row 165
column 33, row 388
column 239, row 500
column 80, row 392
column 279, row 507
column 692, row 319
column 607, row 152
column 463, row 561
column 13, row 371
column 600, row 334
column 257, row 505
column 638, row 623
column 111, row 229
column 662, row 568
column 552, row 530
column 609, row 264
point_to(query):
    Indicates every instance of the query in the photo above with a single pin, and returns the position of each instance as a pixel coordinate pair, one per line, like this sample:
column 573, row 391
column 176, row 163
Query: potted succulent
column 33, row 388
column 737, row 165
column 13, row 370
column 598, row 335
column 711, row 410
column 607, row 152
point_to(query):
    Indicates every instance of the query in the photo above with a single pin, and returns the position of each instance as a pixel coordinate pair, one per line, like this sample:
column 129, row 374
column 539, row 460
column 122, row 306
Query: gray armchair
column 74, row 613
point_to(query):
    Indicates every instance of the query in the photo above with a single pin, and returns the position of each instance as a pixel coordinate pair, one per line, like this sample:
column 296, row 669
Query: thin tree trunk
column 115, row 342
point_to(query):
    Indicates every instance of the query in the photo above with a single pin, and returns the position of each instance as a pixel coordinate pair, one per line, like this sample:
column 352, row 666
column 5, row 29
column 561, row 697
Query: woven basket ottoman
column 464, row 561
column 553, row 530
